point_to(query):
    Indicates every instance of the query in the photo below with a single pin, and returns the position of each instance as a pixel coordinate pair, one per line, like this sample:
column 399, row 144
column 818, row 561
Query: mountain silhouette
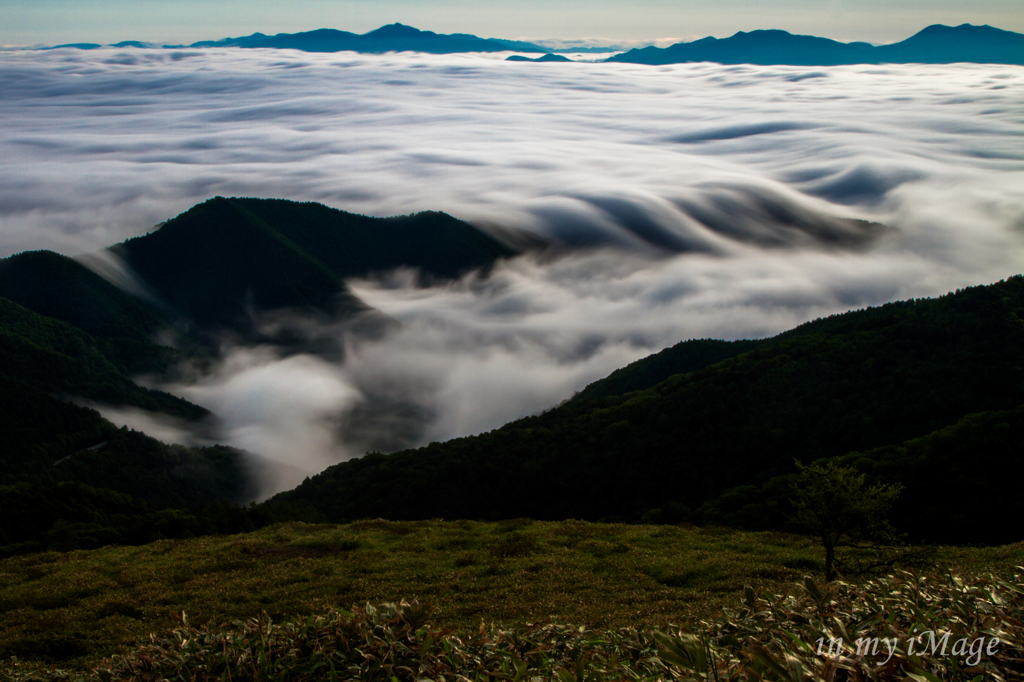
column 934, row 45
column 218, row 264
column 545, row 58
column 225, row 259
column 940, row 44
column 391, row 38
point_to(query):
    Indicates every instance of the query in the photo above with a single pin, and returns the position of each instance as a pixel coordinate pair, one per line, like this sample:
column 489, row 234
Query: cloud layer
column 697, row 200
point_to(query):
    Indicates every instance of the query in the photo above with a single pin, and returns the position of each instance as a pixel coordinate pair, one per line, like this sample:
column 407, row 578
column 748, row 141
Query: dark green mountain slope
column 353, row 245
column 852, row 382
column 72, row 515
column 61, row 288
column 48, row 445
column 54, row 357
column 70, row 479
column 47, row 441
column 980, row 460
column 960, row 484
column 39, row 430
column 222, row 260
column 218, row 260
column 67, row 333
column 684, row 357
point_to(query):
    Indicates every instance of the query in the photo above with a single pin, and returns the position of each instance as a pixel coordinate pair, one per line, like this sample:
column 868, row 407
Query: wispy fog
column 691, row 201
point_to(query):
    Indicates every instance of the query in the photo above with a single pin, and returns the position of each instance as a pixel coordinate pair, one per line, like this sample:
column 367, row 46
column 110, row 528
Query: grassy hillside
column 814, row 633
column 82, row 606
column 700, row 445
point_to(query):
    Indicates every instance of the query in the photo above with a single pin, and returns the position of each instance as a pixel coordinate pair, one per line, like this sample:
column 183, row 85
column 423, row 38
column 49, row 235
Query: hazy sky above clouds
column 50, row 22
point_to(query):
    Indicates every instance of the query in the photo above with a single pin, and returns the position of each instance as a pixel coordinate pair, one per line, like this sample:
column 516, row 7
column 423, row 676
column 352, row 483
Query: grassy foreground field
column 81, row 607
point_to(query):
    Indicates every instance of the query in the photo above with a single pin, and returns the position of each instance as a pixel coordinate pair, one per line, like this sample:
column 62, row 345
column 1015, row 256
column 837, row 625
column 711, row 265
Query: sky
column 51, row 22
column 691, row 200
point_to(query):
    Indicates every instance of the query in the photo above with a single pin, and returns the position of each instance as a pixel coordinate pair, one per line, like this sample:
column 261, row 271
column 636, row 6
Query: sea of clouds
column 688, row 201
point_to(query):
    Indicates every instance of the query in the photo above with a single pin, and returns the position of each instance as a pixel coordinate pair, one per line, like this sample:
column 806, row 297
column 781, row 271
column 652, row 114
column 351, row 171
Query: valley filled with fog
column 676, row 202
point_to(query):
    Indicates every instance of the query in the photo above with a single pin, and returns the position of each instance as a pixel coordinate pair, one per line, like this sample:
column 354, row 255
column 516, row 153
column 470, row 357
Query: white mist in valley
column 688, row 201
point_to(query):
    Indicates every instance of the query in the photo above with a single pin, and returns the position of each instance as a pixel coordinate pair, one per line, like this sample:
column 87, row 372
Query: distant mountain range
column 936, row 44
column 545, row 58
column 391, row 38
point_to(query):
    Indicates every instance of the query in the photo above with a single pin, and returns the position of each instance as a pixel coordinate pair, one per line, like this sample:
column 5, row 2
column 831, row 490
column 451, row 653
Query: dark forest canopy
column 928, row 393
column 713, row 431
column 225, row 258
column 68, row 335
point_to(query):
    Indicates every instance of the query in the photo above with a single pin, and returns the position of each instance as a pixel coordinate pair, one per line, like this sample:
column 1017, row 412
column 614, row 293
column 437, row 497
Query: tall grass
column 77, row 610
column 772, row 637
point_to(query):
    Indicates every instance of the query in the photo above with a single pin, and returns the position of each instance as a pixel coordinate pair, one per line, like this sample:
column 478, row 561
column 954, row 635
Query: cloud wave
column 692, row 200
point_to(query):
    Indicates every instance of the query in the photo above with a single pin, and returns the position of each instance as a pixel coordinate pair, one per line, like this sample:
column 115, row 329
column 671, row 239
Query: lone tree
column 831, row 502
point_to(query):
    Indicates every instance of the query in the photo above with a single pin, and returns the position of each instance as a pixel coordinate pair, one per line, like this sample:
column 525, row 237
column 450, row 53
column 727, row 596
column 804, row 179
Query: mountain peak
column 395, row 30
column 963, row 31
column 936, row 44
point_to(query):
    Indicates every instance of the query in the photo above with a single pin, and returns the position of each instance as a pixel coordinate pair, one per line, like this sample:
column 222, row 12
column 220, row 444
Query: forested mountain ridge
column 69, row 334
column 682, row 358
column 56, row 357
column 703, row 445
column 705, row 431
column 47, row 442
column 225, row 259
column 124, row 327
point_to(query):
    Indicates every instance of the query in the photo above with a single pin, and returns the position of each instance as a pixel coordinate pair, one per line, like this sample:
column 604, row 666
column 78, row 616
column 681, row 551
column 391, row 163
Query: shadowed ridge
column 61, row 288
column 351, row 245
column 225, row 259
column 716, row 445
column 57, row 358
column 218, row 261
column 682, row 358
